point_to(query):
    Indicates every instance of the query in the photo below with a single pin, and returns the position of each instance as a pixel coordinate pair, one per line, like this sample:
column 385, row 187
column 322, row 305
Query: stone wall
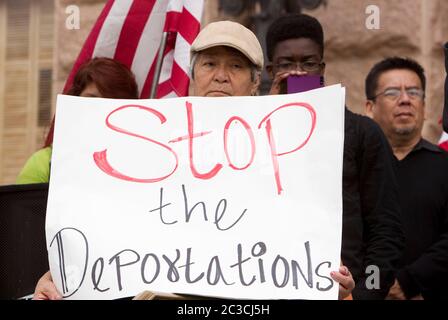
column 413, row 28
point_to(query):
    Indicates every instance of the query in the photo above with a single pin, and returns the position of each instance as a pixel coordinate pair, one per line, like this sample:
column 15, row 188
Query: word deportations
column 180, row 266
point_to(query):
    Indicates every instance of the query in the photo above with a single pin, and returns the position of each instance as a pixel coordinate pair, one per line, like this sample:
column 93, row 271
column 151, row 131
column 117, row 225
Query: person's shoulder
column 44, row 154
column 443, row 153
column 37, row 167
column 436, row 150
column 362, row 120
column 434, row 159
column 364, row 126
column 41, row 157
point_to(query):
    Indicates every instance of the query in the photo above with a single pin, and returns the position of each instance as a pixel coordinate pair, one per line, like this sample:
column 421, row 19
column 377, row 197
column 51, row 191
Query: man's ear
column 256, row 84
column 370, row 108
column 425, row 116
column 269, row 70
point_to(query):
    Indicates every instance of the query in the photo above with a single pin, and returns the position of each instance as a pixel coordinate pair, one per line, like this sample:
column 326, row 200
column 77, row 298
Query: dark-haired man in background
column 395, row 91
column 372, row 234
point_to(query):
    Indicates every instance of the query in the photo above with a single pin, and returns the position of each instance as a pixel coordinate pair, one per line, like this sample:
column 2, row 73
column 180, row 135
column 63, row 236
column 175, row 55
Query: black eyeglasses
column 307, row 66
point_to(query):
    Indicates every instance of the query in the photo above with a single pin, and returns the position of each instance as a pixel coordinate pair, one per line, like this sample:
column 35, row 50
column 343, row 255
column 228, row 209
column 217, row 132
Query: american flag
column 443, row 142
column 131, row 31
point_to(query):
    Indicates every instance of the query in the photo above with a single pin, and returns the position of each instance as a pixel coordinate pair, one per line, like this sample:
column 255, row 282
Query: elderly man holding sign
column 226, row 62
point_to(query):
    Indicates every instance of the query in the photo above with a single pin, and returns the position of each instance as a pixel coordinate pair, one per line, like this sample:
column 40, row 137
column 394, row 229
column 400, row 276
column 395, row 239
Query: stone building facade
column 413, row 28
column 26, row 72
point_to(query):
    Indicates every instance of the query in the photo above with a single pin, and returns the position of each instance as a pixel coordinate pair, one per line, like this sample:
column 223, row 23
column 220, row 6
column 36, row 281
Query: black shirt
column 423, row 189
column 372, row 233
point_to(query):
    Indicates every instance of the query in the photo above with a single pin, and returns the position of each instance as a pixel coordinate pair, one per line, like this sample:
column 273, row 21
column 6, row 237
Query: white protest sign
column 229, row 197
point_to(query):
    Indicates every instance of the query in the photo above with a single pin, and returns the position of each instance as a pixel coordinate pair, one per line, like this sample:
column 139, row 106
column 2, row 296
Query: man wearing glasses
column 372, row 237
column 395, row 90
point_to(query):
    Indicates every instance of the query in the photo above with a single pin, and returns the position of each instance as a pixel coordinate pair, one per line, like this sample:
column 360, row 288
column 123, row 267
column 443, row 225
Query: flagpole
column 155, row 80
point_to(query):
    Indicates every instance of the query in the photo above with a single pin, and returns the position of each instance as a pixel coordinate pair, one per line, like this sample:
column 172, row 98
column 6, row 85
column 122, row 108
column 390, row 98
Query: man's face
column 223, row 71
column 399, row 107
column 300, row 54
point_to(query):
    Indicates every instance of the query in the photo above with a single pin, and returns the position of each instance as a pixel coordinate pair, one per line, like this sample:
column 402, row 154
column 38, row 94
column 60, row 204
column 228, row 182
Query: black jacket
column 372, row 234
column 423, row 191
column 445, row 108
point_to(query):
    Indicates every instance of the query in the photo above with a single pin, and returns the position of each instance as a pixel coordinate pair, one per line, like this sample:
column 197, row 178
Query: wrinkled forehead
column 224, row 53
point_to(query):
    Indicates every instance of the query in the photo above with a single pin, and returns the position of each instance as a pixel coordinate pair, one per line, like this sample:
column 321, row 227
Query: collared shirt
column 423, row 190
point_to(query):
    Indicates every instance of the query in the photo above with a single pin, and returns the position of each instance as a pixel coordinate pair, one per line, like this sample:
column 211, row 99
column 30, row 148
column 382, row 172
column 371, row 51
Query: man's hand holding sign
column 226, row 197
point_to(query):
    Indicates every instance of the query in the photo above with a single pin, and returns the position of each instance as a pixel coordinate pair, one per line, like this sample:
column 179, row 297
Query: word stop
column 101, row 159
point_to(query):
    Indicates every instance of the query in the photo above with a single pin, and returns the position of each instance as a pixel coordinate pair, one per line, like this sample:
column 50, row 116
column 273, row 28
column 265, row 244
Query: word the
column 220, row 210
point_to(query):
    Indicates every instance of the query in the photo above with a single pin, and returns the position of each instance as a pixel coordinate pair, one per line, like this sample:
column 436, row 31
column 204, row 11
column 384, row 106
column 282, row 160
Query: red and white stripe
column 130, row 31
column 443, row 142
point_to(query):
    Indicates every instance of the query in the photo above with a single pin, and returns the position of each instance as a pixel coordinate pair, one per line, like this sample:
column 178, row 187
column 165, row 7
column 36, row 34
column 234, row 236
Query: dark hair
column 388, row 64
column 112, row 78
column 294, row 26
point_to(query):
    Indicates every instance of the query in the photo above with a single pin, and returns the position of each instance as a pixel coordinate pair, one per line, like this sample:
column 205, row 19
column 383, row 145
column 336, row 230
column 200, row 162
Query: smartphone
column 296, row 84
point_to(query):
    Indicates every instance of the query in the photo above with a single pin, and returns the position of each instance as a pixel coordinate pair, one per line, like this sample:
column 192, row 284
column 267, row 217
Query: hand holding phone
column 296, row 84
column 278, row 85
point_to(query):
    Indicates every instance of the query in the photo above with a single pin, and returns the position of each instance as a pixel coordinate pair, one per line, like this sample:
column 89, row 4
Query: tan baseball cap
column 229, row 34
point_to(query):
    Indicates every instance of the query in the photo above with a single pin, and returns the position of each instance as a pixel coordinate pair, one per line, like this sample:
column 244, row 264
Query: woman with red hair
column 98, row 77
